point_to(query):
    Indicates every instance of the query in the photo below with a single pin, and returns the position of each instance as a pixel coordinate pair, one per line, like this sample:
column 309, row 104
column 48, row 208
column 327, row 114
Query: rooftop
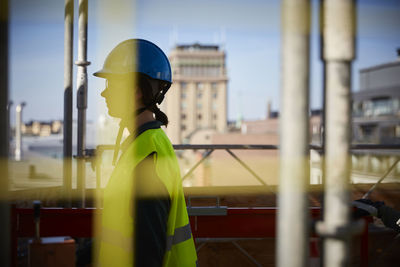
column 197, row 47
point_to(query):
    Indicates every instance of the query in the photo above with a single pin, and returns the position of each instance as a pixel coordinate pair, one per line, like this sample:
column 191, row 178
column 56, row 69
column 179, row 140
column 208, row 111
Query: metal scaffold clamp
column 82, row 63
column 216, row 210
column 339, row 232
column 89, row 155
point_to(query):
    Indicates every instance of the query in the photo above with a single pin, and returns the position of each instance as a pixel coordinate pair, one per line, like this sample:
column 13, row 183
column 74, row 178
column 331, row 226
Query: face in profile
column 119, row 96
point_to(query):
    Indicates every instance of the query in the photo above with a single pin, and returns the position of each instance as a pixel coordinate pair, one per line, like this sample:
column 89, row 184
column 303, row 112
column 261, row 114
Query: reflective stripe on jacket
column 116, row 245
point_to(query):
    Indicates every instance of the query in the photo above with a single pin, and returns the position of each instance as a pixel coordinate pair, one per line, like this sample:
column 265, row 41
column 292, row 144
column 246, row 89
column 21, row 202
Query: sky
column 248, row 31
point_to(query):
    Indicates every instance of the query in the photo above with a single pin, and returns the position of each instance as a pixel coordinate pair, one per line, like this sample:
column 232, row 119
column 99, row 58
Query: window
column 183, row 105
column 183, row 94
column 183, row 85
column 388, row 131
column 382, row 106
column 215, row 116
column 368, row 132
column 183, row 127
column 357, row 109
column 214, row 106
column 183, row 116
column 214, row 86
column 199, row 105
column 199, row 116
column 199, row 90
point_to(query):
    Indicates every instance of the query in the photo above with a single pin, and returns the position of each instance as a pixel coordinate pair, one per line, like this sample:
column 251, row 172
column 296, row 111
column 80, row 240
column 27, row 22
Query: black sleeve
column 390, row 217
column 152, row 210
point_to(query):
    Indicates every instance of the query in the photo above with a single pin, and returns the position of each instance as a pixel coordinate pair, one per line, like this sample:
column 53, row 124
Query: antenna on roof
column 173, row 37
column 223, row 37
column 240, row 110
column 269, row 108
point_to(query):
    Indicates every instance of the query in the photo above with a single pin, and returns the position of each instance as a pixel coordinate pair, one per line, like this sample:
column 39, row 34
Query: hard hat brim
column 104, row 73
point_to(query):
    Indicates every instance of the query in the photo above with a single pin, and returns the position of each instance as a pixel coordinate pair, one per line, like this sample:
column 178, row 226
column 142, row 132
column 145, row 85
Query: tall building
column 197, row 99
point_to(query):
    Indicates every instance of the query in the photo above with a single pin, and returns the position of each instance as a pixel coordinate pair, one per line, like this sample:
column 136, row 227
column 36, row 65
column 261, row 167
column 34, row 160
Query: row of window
column 199, row 85
column 377, row 134
column 199, row 105
column 183, row 126
column 200, row 71
column 376, row 107
column 199, row 91
column 199, row 116
column 199, row 95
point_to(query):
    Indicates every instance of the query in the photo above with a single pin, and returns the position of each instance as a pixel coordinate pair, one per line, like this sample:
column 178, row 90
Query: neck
column 142, row 118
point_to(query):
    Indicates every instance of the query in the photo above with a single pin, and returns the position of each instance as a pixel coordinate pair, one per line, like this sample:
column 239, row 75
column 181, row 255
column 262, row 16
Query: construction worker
column 144, row 220
column 389, row 216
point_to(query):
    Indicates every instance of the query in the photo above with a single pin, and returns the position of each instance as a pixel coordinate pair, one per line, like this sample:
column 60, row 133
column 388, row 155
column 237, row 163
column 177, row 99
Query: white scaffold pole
column 293, row 216
column 18, row 131
column 82, row 85
column 68, row 108
column 338, row 53
column 5, row 227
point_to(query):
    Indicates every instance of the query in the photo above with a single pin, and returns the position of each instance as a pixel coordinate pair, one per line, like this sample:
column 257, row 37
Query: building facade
column 197, row 99
column 42, row 128
column 376, row 106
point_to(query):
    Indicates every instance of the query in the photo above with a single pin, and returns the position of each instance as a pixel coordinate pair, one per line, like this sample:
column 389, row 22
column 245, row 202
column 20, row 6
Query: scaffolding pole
column 82, row 85
column 293, row 216
column 68, row 108
column 18, row 131
column 4, row 138
column 338, row 53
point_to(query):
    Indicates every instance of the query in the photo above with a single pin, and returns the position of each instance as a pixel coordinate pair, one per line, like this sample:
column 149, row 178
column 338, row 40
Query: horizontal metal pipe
column 264, row 147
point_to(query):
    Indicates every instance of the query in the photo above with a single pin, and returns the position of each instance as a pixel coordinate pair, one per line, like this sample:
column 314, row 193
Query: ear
column 138, row 94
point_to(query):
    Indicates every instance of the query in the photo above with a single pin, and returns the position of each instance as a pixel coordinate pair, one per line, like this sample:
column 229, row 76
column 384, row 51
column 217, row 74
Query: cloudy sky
column 249, row 31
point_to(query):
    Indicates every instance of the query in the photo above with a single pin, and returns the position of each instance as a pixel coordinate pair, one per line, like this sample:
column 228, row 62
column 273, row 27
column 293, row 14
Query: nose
column 104, row 93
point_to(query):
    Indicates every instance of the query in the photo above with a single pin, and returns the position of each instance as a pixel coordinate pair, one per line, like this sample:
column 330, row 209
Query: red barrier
column 238, row 223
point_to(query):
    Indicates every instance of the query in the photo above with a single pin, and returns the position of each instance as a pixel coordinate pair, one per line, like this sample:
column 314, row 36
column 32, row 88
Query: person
column 389, row 216
column 144, row 220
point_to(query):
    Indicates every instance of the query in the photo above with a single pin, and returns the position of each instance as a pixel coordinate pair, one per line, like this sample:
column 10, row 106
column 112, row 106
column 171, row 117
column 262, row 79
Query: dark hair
column 149, row 97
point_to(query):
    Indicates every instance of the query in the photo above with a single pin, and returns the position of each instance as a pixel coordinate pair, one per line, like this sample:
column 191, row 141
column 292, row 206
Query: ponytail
column 149, row 99
column 160, row 116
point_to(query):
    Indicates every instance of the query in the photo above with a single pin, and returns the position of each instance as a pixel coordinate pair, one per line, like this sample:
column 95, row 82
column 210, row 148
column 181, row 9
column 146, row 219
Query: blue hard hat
column 137, row 56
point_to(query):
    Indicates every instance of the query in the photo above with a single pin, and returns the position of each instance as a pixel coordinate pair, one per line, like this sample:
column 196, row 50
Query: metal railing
column 95, row 155
column 218, row 210
column 209, row 149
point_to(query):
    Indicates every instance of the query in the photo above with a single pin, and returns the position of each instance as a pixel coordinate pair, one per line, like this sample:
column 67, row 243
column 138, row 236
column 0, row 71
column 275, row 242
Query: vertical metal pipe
column 18, row 133
column 323, row 127
column 82, row 81
column 9, row 106
column 67, row 127
column 338, row 34
column 293, row 214
column 5, row 259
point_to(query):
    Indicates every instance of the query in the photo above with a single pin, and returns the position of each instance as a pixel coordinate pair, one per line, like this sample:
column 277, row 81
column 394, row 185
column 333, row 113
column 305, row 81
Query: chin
column 114, row 114
column 119, row 113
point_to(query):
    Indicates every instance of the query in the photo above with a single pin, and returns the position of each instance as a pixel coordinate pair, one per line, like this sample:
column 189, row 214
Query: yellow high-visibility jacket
column 117, row 233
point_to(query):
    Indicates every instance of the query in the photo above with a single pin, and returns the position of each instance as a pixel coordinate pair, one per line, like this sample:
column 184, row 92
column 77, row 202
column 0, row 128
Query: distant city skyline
column 248, row 30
